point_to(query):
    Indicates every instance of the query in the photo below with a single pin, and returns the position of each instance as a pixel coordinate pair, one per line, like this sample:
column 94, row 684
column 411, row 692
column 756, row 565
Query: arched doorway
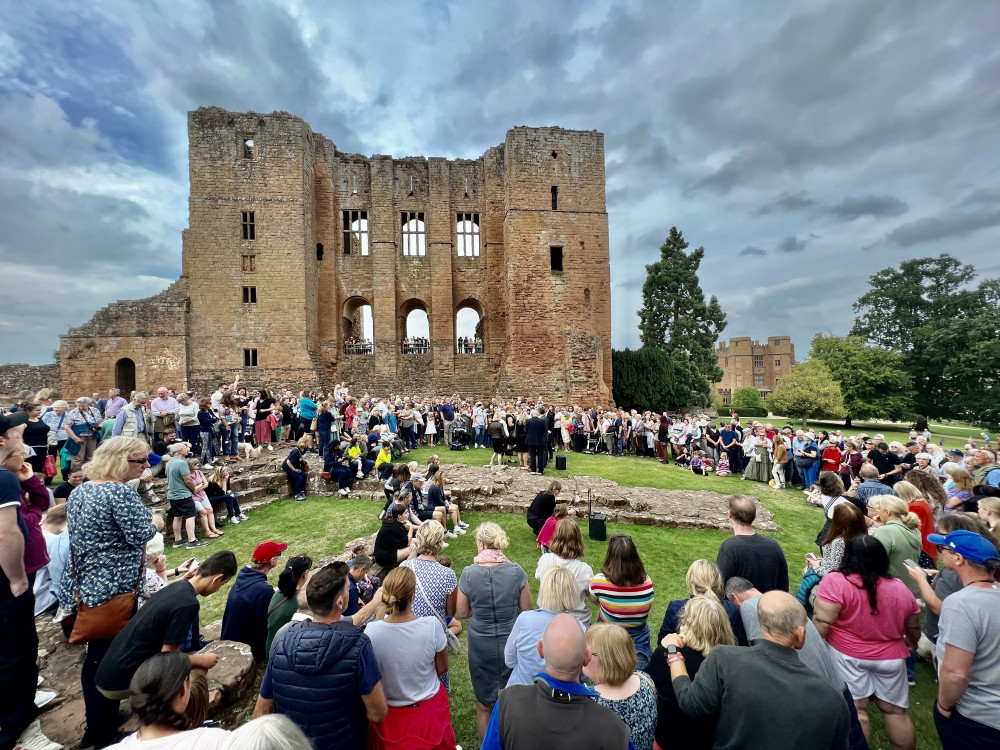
column 469, row 328
column 358, row 327
column 414, row 328
column 125, row 377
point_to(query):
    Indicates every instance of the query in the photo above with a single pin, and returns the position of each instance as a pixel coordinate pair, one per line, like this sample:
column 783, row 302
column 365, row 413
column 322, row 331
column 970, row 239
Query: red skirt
column 426, row 726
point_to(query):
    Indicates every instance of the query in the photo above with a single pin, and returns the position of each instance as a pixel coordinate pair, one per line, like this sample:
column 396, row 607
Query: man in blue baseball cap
column 967, row 712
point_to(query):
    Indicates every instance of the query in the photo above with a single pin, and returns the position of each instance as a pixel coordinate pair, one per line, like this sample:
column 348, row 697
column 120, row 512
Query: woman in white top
column 160, row 694
column 566, row 550
column 412, row 653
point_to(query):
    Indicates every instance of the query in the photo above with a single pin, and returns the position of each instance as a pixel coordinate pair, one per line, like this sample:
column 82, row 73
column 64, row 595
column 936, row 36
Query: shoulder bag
column 107, row 620
column 453, row 643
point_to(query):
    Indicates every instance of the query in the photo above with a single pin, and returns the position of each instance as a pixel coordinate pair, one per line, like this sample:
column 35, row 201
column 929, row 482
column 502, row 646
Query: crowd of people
column 353, row 659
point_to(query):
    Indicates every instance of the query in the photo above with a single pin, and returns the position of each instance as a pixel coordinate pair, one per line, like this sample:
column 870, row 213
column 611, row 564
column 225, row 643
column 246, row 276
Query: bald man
column 798, row 708
column 556, row 711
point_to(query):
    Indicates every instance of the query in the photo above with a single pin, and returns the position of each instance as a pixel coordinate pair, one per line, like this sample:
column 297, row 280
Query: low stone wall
column 19, row 376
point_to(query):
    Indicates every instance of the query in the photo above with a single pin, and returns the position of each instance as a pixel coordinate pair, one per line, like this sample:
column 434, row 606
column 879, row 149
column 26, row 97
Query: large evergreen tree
column 676, row 318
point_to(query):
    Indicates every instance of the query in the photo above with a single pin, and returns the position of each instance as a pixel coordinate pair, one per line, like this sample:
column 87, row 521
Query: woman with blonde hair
column 492, row 591
column 989, row 511
column 566, row 550
column 703, row 579
column 958, row 489
column 413, row 653
column 899, row 533
column 557, row 593
column 108, row 527
column 918, row 505
column 630, row 694
column 704, row 624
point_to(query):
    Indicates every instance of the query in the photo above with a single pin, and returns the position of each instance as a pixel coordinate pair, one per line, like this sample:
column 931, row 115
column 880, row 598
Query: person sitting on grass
column 681, row 456
column 698, row 464
column 245, row 617
column 161, row 696
column 723, row 470
column 394, row 541
column 168, row 622
column 544, row 537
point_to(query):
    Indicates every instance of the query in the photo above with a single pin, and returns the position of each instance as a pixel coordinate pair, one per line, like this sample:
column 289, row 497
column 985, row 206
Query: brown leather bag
column 107, row 620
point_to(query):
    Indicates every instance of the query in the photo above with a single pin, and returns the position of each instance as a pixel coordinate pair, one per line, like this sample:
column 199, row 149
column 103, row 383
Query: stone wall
column 19, row 376
column 260, row 299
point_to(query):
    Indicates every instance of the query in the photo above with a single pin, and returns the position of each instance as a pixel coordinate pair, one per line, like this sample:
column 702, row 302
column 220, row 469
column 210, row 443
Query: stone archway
column 414, row 327
column 470, row 326
column 357, row 331
column 125, row 377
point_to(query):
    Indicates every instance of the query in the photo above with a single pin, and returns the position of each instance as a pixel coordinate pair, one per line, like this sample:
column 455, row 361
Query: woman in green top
column 899, row 532
column 284, row 603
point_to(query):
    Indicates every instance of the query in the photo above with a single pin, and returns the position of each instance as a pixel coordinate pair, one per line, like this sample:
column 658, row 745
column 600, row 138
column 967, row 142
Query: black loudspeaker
column 597, row 528
column 598, row 531
column 560, row 463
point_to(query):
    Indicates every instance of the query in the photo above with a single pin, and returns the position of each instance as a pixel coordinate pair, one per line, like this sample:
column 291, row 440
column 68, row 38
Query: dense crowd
column 356, row 654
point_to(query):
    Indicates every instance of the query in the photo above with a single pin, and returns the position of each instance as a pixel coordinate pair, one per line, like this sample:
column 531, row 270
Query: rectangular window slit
column 249, row 357
column 556, row 257
column 249, row 225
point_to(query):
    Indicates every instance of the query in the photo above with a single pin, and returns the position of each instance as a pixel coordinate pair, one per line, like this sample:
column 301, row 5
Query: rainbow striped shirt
column 627, row 606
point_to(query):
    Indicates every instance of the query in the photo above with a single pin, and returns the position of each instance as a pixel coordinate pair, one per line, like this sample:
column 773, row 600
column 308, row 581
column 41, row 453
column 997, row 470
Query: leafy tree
column 644, row 379
column 873, row 381
column 808, row 392
column 676, row 318
column 747, row 398
column 903, row 299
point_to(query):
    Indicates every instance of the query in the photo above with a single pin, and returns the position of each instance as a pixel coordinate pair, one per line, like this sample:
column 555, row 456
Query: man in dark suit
column 537, row 435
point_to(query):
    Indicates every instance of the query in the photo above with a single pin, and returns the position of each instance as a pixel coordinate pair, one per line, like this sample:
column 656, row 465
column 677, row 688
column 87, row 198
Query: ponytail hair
column 155, row 685
column 398, row 590
column 289, row 579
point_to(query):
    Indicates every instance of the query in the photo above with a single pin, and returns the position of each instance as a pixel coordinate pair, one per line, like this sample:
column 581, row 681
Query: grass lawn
column 321, row 526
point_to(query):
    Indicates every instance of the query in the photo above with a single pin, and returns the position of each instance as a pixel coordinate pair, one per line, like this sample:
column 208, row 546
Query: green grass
column 321, row 527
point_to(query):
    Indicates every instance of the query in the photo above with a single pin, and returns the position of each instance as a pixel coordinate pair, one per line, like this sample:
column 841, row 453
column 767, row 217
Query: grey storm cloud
column 757, row 129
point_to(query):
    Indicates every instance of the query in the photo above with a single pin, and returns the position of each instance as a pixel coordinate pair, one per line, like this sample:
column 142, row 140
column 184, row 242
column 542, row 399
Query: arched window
column 467, row 235
column 415, row 329
column 469, row 328
column 358, row 328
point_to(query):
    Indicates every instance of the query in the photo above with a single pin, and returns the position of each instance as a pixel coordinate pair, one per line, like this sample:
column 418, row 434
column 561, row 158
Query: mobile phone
column 910, row 564
column 194, row 564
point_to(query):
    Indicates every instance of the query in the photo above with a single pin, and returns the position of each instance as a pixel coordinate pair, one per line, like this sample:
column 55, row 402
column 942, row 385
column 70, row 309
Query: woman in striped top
column 624, row 593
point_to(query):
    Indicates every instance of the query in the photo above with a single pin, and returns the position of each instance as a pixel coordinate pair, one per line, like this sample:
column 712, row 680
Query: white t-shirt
column 405, row 652
column 583, row 574
column 202, row 738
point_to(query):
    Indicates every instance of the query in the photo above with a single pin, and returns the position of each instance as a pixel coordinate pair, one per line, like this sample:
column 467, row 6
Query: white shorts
column 202, row 504
column 883, row 678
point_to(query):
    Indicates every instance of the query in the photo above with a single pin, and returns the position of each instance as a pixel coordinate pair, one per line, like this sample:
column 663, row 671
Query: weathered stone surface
column 542, row 188
column 19, row 376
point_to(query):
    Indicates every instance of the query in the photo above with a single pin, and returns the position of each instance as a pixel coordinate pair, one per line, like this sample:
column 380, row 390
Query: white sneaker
column 44, row 697
column 270, row 447
column 450, row 535
column 234, row 520
column 33, row 739
column 360, row 475
column 244, row 517
column 209, row 465
column 444, row 544
column 463, row 524
column 460, row 530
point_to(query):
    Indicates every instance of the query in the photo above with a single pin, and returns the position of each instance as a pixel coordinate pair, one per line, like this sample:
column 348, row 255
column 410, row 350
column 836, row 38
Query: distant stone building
column 747, row 363
column 295, row 248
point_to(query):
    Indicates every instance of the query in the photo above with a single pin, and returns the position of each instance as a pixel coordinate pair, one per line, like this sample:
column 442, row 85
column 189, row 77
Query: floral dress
column 108, row 527
column 638, row 711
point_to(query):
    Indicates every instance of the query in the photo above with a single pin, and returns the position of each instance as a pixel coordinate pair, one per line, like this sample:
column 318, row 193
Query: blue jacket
column 537, row 431
column 245, row 618
column 317, row 676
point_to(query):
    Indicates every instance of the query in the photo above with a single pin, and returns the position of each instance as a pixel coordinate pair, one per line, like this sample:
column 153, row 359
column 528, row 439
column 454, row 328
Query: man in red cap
column 245, row 618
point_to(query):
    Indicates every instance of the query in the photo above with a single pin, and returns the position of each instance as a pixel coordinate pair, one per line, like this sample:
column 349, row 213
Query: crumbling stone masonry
column 289, row 239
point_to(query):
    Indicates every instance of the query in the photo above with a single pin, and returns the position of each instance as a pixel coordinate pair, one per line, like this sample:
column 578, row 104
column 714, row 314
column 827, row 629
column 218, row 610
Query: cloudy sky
column 805, row 145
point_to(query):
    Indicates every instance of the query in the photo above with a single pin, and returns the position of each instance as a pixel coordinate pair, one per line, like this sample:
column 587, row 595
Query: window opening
column 249, row 225
column 758, row 360
column 758, row 381
column 248, row 148
column 555, row 197
column 355, row 233
column 777, row 363
column 414, row 233
column 319, row 251
column 467, row 235
column 249, row 295
column 249, row 264
column 556, row 258
column 249, row 357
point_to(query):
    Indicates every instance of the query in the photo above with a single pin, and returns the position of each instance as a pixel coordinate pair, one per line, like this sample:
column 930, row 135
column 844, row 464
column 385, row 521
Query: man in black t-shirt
column 750, row 555
column 890, row 470
column 167, row 622
column 394, row 541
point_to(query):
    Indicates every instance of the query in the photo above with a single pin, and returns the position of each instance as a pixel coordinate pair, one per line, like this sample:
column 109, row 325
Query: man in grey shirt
column 813, row 653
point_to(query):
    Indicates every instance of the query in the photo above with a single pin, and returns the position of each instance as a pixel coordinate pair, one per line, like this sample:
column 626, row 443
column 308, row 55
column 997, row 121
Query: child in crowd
column 201, row 501
column 697, row 464
column 723, row 470
column 683, row 458
column 549, row 527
